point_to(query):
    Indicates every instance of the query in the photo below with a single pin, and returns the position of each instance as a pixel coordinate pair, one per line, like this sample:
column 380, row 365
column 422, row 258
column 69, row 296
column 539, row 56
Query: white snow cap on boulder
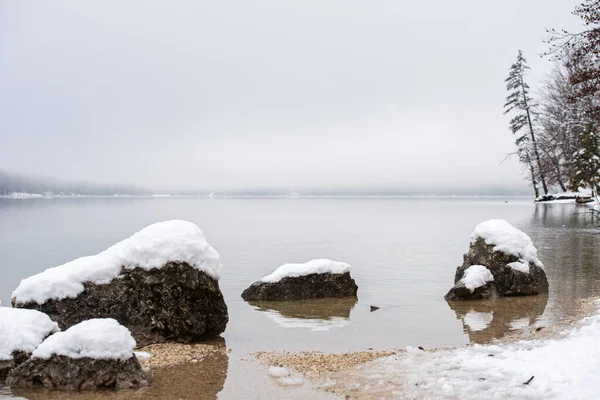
column 507, row 239
column 321, row 266
column 23, row 330
column 476, row 276
column 152, row 247
column 100, row 338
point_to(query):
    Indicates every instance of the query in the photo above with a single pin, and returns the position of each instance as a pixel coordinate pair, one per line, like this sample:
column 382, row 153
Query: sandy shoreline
column 346, row 374
column 199, row 371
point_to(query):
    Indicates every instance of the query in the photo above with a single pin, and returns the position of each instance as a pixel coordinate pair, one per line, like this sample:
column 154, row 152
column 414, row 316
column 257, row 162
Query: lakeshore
column 396, row 270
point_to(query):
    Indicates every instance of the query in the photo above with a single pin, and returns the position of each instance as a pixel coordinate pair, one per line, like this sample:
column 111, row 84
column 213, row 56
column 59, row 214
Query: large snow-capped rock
column 21, row 332
column 311, row 280
column 501, row 261
column 97, row 353
column 161, row 283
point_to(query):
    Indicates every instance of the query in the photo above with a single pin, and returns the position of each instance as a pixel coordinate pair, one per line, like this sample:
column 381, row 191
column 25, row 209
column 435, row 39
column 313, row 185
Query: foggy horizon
column 232, row 96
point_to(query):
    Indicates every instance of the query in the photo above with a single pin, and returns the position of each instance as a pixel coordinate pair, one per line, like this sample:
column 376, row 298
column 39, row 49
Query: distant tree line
column 556, row 135
column 17, row 183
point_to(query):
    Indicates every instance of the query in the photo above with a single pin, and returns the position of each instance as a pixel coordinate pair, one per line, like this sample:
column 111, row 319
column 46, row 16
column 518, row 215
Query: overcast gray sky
column 290, row 94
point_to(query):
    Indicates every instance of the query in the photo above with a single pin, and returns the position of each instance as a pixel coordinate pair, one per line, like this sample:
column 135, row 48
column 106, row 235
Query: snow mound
column 285, row 377
column 507, row 239
column 476, row 276
column 101, row 338
column 142, row 355
column 23, row 330
column 520, row 266
column 321, row 266
column 152, row 247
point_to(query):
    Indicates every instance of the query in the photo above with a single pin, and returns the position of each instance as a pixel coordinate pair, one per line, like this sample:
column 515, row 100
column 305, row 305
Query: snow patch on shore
column 561, row 369
column 23, row 330
column 320, row 266
column 507, row 239
column 100, row 338
column 285, row 377
column 150, row 248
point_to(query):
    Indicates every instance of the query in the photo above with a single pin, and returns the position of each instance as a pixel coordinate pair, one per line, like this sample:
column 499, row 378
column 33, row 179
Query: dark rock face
column 460, row 292
column 19, row 357
column 507, row 281
column 313, row 286
column 61, row 372
column 175, row 303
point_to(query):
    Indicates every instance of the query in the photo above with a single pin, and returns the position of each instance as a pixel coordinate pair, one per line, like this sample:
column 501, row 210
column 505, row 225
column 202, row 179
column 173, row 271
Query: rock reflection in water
column 314, row 314
column 202, row 380
column 486, row 320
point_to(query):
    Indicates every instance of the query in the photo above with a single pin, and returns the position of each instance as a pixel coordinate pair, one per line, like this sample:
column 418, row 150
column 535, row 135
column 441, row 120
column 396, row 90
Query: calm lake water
column 403, row 252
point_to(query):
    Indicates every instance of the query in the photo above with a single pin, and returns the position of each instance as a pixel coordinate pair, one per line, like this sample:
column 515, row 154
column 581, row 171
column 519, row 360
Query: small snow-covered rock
column 321, row 266
column 97, row 353
column 161, row 283
column 21, row 332
column 100, row 338
column 314, row 279
column 511, row 259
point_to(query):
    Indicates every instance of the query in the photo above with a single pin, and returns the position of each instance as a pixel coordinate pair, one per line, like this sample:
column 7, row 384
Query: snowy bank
column 562, row 198
column 151, row 248
column 100, row 338
column 23, row 330
column 315, row 279
column 321, row 266
column 561, row 369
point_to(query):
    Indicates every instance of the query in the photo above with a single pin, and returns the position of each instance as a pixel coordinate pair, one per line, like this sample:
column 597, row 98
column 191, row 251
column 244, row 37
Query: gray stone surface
column 61, row 372
column 6, row 366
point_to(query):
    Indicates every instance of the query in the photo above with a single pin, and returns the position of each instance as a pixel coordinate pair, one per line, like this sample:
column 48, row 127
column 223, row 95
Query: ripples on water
column 403, row 251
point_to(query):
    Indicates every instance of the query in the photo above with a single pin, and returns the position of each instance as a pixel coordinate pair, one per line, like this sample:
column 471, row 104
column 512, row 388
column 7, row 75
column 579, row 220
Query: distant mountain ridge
column 21, row 183
column 15, row 183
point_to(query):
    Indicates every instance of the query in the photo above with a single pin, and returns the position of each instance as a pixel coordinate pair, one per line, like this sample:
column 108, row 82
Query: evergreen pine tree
column 586, row 161
column 520, row 103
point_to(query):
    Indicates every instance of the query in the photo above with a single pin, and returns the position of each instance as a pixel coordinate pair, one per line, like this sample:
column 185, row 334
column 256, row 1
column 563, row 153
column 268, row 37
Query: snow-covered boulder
column 161, row 283
column 97, row 353
column 312, row 280
column 21, row 332
column 511, row 262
